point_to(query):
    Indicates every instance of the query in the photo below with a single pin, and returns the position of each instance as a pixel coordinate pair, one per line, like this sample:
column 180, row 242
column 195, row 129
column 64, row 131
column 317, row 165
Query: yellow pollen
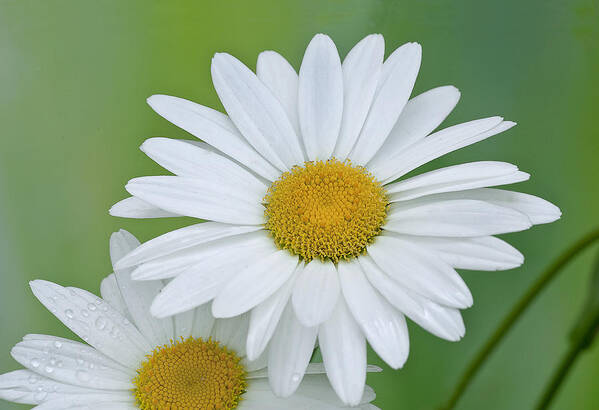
column 190, row 374
column 325, row 209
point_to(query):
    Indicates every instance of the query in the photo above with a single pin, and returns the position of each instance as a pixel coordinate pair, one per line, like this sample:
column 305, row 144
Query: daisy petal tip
column 158, row 310
column 223, row 310
column 114, row 210
column 398, row 363
column 156, row 101
column 38, row 285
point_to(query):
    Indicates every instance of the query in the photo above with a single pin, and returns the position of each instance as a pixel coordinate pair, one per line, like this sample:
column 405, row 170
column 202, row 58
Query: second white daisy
column 308, row 231
column 135, row 361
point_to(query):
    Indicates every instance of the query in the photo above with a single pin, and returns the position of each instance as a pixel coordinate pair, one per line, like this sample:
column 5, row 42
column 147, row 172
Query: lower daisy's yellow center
column 325, row 209
column 190, row 374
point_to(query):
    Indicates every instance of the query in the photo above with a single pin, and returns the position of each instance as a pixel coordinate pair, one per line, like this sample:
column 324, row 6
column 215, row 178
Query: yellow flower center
column 190, row 374
column 325, row 210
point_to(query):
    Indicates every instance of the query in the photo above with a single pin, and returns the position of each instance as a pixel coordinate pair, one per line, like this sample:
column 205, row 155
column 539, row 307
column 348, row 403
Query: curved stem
column 566, row 364
column 515, row 314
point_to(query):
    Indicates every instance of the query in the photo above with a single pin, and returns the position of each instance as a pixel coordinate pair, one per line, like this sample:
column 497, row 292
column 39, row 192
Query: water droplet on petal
column 34, row 378
column 35, row 363
column 91, row 307
column 70, row 314
column 49, row 369
column 84, row 313
column 296, row 377
column 100, row 323
column 57, row 344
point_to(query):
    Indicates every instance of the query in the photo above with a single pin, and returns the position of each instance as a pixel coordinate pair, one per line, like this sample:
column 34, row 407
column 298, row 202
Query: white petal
column 315, row 292
column 180, row 239
column 232, row 333
column 361, row 72
column 137, row 295
column 265, row 317
column 421, row 115
column 24, row 386
column 282, row 80
column 481, row 253
column 202, row 199
column 254, row 284
column 95, row 321
column 183, row 323
column 394, row 88
column 440, row 320
column 314, row 393
column 420, row 270
column 71, row 362
column 211, row 255
column 213, row 127
column 256, row 112
column 133, row 207
column 343, row 350
column 437, row 145
column 110, row 292
column 216, row 265
column 290, row 350
column 456, row 178
column 313, row 368
column 434, row 216
column 190, row 160
column 203, row 321
column 99, row 401
column 384, row 327
column 538, row 210
column 320, row 97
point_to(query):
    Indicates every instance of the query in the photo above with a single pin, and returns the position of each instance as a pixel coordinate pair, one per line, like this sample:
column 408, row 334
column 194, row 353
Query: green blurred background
column 74, row 76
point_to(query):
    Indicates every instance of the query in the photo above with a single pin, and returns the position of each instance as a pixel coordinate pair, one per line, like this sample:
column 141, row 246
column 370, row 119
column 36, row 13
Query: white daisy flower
column 308, row 230
column 133, row 360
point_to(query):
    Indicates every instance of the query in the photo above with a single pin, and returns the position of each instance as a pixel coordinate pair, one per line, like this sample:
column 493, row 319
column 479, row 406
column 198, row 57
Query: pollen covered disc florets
column 325, row 209
column 190, row 374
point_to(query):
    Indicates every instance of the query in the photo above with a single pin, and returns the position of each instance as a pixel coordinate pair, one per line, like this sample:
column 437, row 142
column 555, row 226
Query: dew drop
column 34, row 378
column 70, row 314
column 35, row 363
column 91, row 307
column 296, row 377
column 57, row 344
column 84, row 313
column 49, row 369
column 100, row 323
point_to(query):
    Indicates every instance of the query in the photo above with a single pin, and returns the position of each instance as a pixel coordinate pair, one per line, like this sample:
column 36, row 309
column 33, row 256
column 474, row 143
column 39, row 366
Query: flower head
column 132, row 360
column 310, row 230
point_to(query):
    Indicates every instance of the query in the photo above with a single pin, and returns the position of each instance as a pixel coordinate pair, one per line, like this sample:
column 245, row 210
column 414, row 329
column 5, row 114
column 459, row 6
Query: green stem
column 515, row 314
column 566, row 364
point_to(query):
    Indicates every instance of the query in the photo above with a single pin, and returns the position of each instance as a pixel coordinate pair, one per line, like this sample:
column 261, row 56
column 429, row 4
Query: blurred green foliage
column 74, row 76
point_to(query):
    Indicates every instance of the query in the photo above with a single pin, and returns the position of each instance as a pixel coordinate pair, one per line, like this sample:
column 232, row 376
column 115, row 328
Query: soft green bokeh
column 74, row 76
